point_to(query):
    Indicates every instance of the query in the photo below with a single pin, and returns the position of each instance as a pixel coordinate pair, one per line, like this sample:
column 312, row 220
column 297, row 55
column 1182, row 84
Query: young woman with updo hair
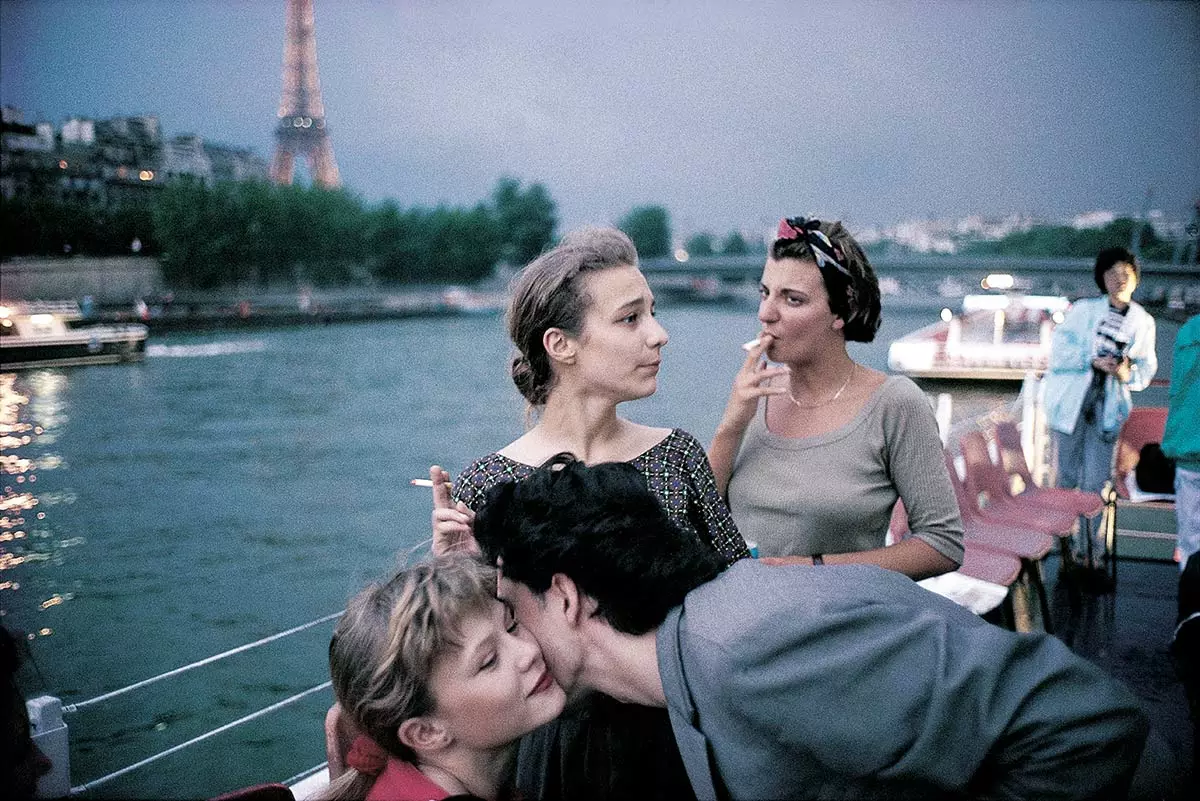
column 583, row 322
column 439, row 683
column 814, row 449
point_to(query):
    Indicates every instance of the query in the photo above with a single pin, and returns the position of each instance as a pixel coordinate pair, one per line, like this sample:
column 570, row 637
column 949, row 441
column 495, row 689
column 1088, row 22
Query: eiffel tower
column 301, row 129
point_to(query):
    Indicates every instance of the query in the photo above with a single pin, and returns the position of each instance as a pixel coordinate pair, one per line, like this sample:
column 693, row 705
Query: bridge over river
column 928, row 280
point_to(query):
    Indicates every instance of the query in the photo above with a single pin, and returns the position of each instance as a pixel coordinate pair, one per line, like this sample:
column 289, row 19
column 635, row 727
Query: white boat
column 39, row 334
column 994, row 337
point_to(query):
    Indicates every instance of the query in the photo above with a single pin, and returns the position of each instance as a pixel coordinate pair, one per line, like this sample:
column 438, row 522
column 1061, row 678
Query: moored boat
column 994, row 337
column 40, row 334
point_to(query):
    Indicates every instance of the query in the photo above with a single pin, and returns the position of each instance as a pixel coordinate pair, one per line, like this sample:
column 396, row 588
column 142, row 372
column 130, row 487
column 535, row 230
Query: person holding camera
column 1102, row 351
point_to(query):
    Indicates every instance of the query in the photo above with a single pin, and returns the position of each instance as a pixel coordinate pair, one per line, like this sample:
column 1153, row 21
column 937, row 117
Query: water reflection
column 30, row 409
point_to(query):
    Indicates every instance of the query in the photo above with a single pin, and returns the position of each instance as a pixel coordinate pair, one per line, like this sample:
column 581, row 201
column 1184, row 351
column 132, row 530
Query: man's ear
column 560, row 347
column 424, row 734
column 564, row 594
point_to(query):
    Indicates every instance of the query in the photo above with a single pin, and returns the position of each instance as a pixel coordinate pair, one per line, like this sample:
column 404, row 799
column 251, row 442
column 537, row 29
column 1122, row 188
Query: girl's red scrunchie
column 366, row 756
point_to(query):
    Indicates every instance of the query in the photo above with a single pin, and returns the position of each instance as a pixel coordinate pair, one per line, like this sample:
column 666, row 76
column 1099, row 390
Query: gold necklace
column 836, row 395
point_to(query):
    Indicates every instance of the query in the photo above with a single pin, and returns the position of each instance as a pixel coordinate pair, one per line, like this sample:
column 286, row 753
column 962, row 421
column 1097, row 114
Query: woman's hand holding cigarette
column 751, row 383
column 453, row 523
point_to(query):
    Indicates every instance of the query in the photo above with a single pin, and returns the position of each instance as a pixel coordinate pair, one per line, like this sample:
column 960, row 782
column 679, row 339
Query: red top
column 401, row 781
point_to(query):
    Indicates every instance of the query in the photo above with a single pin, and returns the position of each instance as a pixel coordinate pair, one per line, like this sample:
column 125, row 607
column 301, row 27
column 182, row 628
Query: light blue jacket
column 1071, row 352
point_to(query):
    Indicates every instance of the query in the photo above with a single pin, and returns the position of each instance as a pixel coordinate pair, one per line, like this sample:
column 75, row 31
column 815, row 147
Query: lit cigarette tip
column 752, row 344
column 421, row 482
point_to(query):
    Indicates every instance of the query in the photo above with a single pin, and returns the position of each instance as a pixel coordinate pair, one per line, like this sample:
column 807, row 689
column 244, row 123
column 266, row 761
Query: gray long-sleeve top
column 850, row 681
column 834, row 492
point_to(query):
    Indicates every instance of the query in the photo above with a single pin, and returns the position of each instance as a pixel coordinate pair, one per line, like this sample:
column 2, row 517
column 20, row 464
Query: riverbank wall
column 108, row 280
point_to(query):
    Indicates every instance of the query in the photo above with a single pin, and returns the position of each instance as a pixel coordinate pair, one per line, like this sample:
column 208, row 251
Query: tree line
column 258, row 234
column 261, row 235
column 1063, row 241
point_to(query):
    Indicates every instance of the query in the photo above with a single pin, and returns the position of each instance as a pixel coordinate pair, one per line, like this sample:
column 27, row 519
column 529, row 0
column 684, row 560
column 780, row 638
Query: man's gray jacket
column 851, row 681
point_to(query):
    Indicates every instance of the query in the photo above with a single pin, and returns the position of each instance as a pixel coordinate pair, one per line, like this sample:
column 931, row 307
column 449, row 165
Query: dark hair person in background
column 1102, row 350
column 583, row 321
column 22, row 763
column 813, row 454
column 440, row 681
column 786, row 682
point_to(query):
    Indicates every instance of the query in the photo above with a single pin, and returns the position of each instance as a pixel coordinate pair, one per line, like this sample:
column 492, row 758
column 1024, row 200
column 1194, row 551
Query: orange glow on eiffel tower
column 301, row 128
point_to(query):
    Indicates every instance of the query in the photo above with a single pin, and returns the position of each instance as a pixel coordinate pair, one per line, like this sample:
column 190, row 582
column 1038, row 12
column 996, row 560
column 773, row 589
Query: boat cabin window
column 41, row 324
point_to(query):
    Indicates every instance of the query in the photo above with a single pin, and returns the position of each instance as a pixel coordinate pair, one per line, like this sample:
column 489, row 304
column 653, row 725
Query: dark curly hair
column 1108, row 258
column 603, row 528
column 854, row 297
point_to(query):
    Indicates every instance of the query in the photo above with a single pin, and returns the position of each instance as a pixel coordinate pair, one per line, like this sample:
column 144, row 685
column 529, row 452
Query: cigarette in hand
column 752, row 344
column 421, row 482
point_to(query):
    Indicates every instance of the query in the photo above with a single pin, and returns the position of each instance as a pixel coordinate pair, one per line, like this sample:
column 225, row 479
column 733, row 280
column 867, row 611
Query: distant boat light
column 997, row 281
column 947, row 315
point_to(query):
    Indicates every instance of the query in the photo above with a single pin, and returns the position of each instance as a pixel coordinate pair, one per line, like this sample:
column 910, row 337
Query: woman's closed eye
column 510, row 618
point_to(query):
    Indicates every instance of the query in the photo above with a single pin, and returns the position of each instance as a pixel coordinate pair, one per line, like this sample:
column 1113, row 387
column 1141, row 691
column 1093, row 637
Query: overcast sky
column 730, row 114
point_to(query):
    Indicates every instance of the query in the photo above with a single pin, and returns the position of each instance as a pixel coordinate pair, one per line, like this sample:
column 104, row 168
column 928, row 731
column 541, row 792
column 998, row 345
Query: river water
column 236, row 485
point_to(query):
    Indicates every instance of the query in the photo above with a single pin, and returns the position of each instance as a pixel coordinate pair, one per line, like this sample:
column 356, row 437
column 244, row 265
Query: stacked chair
column 1028, row 546
column 989, row 496
column 1087, row 505
column 982, row 562
column 1012, row 461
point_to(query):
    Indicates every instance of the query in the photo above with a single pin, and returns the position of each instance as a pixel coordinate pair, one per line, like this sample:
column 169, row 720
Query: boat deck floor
column 1128, row 633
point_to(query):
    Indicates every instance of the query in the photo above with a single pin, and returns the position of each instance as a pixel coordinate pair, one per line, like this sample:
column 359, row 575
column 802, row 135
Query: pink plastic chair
column 1012, row 461
column 984, row 480
column 980, row 561
column 1145, row 425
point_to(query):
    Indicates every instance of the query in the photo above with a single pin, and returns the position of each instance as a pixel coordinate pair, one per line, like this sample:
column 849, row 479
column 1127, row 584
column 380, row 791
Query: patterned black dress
column 602, row 749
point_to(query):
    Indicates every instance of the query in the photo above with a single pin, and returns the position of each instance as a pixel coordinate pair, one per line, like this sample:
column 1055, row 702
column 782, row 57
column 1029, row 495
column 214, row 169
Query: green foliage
column 263, row 234
column 734, row 245
column 525, row 220
column 235, row 233
column 1062, row 241
column 257, row 235
column 700, row 244
column 41, row 224
column 650, row 229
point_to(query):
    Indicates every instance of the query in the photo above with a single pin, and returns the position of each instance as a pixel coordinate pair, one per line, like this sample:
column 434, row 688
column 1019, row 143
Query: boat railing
column 50, row 730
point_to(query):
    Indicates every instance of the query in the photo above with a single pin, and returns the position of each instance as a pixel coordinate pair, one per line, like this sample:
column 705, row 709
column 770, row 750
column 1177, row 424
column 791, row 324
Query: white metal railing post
column 1039, row 433
column 49, row 731
column 49, row 734
column 1029, row 423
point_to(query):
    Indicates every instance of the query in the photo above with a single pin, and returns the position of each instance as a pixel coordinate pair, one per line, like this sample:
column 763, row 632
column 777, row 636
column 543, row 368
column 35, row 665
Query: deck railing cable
column 206, row 661
column 83, row 788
